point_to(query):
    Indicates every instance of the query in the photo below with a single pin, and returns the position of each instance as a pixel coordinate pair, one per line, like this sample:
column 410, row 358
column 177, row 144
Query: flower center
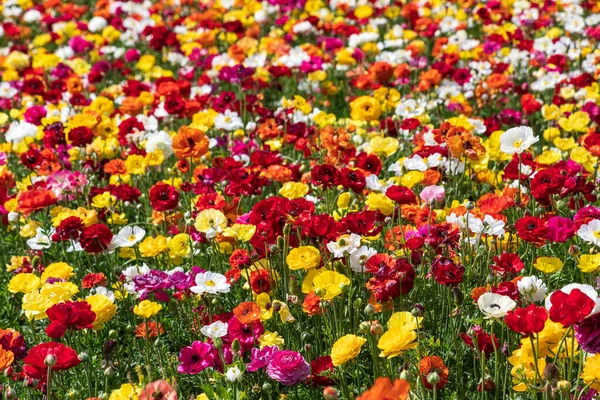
column 210, row 283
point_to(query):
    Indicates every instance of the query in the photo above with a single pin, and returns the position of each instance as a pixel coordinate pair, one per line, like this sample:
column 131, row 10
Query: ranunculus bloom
column 288, row 367
column 527, row 320
column 158, row 390
column 572, row 304
column 69, row 315
column 431, row 364
column 35, row 367
column 385, row 389
column 163, row 197
column 196, row 358
column 96, row 238
column 587, row 334
column 433, row 194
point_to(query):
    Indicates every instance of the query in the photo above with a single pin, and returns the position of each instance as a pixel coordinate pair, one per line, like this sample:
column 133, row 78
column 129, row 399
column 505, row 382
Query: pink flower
column 288, row 367
column 433, row 194
column 158, row 390
column 132, row 55
column 196, row 358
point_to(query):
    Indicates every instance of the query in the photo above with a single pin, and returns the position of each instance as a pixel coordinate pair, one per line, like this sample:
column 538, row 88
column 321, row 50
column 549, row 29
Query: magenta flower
column 246, row 334
column 196, row 358
column 261, row 357
column 288, row 367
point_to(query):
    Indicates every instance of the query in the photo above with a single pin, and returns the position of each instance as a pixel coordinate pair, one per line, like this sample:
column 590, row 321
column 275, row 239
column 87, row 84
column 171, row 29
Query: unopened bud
column 433, row 378
column 280, row 243
column 470, row 205
column 83, row 357
column 235, row 346
column 405, row 375
column 416, row 312
column 11, row 394
column 329, row 393
column 369, row 309
column 50, row 360
column 574, row 250
column 108, row 372
column 306, row 337
column 564, row 386
column 458, row 296
column 218, row 343
column 364, row 327
column 376, row 329
column 267, row 387
column 357, row 303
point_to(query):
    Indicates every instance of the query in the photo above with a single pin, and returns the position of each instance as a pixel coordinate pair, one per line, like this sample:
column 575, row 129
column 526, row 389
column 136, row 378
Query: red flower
column 570, row 308
column 527, row 320
column 485, row 341
column 325, row 175
column 431, row 364
column 353, row 179
column 35, row 199
column 507, row 289
column 260, row 281
column 69, row 315
column 91, row 280
column 163, row 197
column 532, row 229
column 81, row 136
column 446, row 272
column 96, row 238
column 390, row 278
column 507, row 264
column 370, row 163
column 318, row 366
column 401, row 195
column 69, row 228
column 35, row 366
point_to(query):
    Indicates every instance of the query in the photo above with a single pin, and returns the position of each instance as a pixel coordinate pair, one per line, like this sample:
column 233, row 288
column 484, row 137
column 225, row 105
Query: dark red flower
column 325, row 175
column 507, row 264
column 260, row 281
column 69, row 315
column 317, row 367
column 369, row 162
column 35, row 366
column 163, row 197
column 391, row 278
column 446, row 272
column 353, row 179
column 401, row 195
column 96, row 238
column 508, row 289
column 484, row 341
column 532, row 229
column 80, row 136
column 69, row 228
column 527, row 320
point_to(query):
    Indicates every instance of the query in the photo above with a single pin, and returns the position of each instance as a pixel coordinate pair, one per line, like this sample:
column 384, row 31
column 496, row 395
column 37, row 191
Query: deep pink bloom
column 196, row 358
column 288, row 367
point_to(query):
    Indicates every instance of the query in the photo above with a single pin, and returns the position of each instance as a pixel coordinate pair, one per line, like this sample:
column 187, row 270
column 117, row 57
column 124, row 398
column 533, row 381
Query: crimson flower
column 163, row 197
column 401, row 195
column 96, row 238
column 572, row 304
column 35, row 366
column 69, row 315
column 527, row 320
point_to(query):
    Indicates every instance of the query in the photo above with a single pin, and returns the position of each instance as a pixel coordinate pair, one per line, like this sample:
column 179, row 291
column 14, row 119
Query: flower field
column 299, row 199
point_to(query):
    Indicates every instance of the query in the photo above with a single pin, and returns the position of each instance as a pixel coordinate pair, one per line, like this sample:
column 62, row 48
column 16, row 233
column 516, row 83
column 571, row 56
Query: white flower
column 210, row 282
column 160, row 141
column 215, row 330
column 230, row 121
column 489, row 225
column 19, row 130
column 409, row 109
column 517, row 140
column 532, row 288
column 234, row 374
column 495, row 305
column 96, row 24
column 359, row 258
column 103, row 291
column 588, row 290
column 344, row 244
column 40, row 241
column 590, row 232
column 302, row 27
column 32, row 15
column 129, row 236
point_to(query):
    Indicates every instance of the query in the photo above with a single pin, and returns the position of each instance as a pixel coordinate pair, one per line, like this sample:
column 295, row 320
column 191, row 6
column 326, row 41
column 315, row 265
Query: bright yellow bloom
column 346, row 349
column 329, row 284
column 37, row 302
column 126, row 392
column 589, row 263
column 240, row 232
column 135, row 164
column 179, row 245
column 60, row 270
column 395, row 341
column 380, row 202
column 151, row 247
column 104, row 309
column 365, row 108
column 548, row 265
column 404, row 319
column 293, row 190
column 303, row 257
column 270, row 339
column 104, row 200
column 591, row 372
column 147, row 309
column 210, row 221
column 24, row 283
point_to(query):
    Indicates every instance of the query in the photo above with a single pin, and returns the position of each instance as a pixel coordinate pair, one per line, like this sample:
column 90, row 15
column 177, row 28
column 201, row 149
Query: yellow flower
column 146, row 62
column 404, row 319
column 151, row 247
column 36, row 303
column 577, row 122
column 210, row 221
column 346, row 349
column 412, row 178
column 240, row 232
column 16, row 60
column 329, row 284
column 179, row 245
column 385, row 146
column 147, row 309
column 589, row 263
column 365, row 108
column 380, row 202
column 263, row 300
column 344, row 200
column 395, row 341
column 17, row 262
column 548, row 265
column 104, row 309
column 104, row 200
column 581, row 156
column 60, row 270
column 524, row 370
column 293, row 190
column 564, row 144
column 135, row 164
column 591, row 372
column 303, row 257
column 550, row 112
column 126, row 392
column 202, row 396
column 24, row 283
column 270, row 339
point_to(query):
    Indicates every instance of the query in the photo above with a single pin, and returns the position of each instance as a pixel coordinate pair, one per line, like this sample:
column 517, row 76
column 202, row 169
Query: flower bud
column 574, row 250
column 8, row 372
column 416, row 312
column 266, row 387
column 306, row 337
column 364, row 327
column 108, row 372
column 564, row 386
column 218, row 343
column 433, row 378
column 405, row 375
column 551, row 372
column 376, row 329
column 11, row 394
column 470, row 205
column 357, row 303
column 35, row 261
column 50, row 360
column 83, row 357
column 235, row 346
column 280, row 243
column 458, row 296
column 329, row 393
column 287, row 229
column 369, row 309
column 157, row 342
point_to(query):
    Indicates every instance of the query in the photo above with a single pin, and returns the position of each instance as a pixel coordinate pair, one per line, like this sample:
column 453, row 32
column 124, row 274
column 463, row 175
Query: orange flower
column 35, row 199
column 247, row 312
column 190, row 142
column 461, row 142
column 384, row 389
column 131, row 106
column 312, row 304
column 497, row 81
column 431, row 364
column 115, row 167
column 74, row 84
column 431, row 177
column 6, row 358
column 154, row 329
column 478, row 291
